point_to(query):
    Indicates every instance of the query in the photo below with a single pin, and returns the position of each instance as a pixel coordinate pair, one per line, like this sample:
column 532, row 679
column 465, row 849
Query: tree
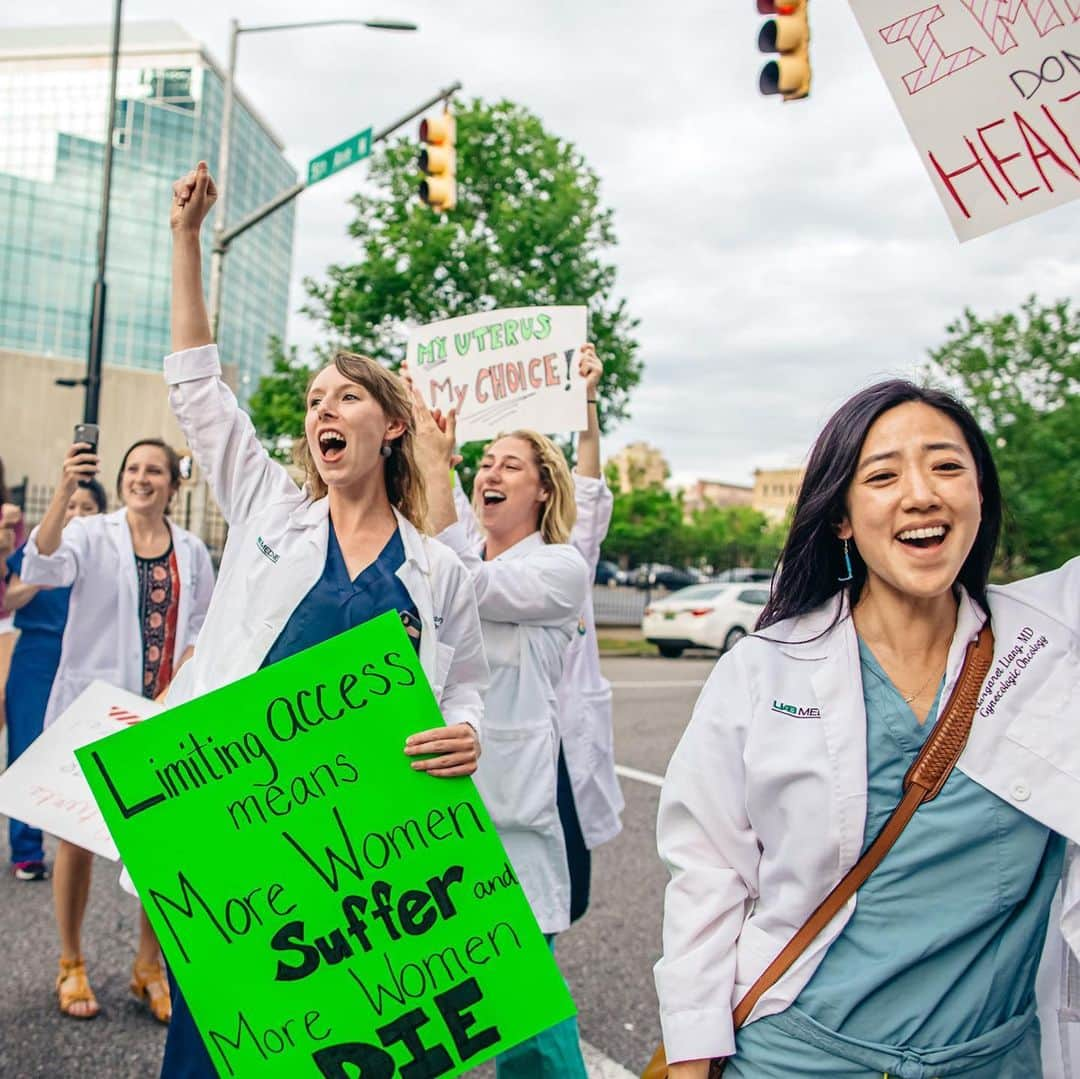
column 1019, row 374
column 646, row 526
column 277, row 406
column 528, row 229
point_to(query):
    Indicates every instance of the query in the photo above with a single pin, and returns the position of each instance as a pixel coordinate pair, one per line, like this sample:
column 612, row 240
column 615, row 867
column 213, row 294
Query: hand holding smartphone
column 87, row 433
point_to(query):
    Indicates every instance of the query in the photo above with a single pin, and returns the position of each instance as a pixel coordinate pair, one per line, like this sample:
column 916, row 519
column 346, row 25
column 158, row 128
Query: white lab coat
column 583, row 695
column 763, row 811
column 103, row 637
column 276, row 551
column 530, row 598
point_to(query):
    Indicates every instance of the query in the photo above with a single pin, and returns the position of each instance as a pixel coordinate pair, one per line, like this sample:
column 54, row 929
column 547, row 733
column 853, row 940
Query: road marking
column 669, row 684
column 600, row 1066
column 641, row 777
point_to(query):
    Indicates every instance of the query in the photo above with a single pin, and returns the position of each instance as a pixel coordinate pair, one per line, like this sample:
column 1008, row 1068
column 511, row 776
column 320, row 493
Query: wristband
column 591, row 401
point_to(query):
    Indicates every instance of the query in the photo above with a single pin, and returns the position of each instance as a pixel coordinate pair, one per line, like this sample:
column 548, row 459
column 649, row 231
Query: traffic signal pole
column 222, row 241
column 92, row 400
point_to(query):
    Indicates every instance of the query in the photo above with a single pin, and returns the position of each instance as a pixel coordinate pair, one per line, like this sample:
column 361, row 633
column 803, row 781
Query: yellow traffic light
column 438, row 159
column 787, row 33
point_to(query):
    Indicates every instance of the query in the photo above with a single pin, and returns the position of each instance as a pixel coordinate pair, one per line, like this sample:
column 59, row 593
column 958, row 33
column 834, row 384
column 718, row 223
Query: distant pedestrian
column 140, row 588
column 798, row 752
column 12, row 535
column 40, row 616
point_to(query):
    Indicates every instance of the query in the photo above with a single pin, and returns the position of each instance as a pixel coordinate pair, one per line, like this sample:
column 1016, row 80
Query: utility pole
column 97, row 317
column 220, row 241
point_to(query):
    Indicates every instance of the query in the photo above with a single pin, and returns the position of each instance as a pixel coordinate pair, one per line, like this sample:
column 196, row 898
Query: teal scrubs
column 934, row 974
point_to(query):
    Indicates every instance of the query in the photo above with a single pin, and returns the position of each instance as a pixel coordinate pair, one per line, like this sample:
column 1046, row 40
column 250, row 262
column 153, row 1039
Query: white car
column 704, row 616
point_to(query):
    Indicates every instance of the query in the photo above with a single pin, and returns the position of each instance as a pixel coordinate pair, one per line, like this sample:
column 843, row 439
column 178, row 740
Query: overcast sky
column 778, row 256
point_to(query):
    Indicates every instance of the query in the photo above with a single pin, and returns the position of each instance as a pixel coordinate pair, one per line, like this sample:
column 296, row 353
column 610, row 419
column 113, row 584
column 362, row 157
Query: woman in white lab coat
column 303, row 565
column 796, row 754
column 531, row 586
column 590, row 801
column 140, row 588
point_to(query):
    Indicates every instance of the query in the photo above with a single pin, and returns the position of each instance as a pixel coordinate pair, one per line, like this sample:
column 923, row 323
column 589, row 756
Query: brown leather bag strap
column 922, row 783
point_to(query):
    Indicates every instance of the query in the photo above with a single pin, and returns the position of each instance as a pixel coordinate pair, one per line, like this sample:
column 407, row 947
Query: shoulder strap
column 922, row 783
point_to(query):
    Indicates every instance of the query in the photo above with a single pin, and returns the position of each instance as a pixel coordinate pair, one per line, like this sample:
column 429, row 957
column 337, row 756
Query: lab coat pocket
column 516, row 777
column 754, row 951
column 1045, row 724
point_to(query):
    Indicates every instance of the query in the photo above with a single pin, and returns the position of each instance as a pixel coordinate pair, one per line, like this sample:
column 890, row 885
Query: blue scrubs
column 33, row 667
column 334, row 604
column 934, row 974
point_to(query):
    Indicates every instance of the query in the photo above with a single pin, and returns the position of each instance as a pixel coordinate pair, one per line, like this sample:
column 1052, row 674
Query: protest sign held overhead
column 46, row 788
column 990, row 94
column 504, row 369
column 367, row 914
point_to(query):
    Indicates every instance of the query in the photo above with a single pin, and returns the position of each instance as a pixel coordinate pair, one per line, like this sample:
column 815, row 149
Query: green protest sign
column 326, row 909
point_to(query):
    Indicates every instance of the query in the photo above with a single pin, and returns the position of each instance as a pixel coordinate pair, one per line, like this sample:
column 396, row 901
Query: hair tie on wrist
column 591, row 401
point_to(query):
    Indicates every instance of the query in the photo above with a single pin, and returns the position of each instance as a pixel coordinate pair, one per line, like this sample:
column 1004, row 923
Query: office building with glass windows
column 53, row 99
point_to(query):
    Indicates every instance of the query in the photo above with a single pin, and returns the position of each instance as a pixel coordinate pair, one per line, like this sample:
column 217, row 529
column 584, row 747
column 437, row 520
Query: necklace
column 918, row 692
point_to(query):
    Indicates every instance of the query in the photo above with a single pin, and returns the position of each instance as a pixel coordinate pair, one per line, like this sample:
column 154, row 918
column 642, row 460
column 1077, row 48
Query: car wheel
column 670, row 651
column 735, row 634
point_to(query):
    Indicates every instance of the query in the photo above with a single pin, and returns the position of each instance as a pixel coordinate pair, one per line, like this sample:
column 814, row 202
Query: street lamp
column 217, row 256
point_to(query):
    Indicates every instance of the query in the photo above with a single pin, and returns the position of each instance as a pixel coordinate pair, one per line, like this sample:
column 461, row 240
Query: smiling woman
column 301, row 566
column 881, row 591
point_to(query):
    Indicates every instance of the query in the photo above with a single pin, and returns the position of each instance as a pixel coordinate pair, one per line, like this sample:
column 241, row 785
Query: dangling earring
column 847, row 565
column 385, row 451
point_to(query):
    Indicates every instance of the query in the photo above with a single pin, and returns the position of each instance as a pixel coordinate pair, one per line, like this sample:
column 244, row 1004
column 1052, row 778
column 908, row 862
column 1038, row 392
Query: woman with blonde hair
column 531, row 586
column 303, row 565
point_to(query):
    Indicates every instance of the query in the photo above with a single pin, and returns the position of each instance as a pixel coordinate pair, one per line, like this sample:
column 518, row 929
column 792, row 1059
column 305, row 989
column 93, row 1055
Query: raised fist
column 193, row 195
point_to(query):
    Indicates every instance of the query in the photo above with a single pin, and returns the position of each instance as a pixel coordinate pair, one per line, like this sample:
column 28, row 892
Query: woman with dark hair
column 797, row 753
column 140, row 587
column 40, row 616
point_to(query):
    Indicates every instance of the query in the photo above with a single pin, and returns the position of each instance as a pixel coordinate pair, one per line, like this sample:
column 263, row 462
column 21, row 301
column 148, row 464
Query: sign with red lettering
column 46, row 788
column 503, row 370
column 990, row 93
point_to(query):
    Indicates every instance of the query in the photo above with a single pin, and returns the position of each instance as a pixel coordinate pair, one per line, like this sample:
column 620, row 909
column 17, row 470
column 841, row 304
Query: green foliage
column 528, row 229
column 648, row 525
column 277, row 405
column 1019, row 373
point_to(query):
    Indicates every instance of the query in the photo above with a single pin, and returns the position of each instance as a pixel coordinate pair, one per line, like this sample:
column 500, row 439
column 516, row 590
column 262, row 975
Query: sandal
column 73, row 988
column 149, row 983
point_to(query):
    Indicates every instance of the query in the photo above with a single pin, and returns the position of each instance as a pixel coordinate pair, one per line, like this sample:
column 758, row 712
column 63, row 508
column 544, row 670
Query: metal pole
column 217, row 255
column 97, row 315
column 290, row 193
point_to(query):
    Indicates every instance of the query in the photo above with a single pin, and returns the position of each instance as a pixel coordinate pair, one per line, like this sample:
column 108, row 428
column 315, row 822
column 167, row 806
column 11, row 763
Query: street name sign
column 339, row 157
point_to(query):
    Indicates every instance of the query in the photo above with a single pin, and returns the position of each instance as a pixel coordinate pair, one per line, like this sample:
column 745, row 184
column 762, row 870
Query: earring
column 847, row 564
column 385, row 451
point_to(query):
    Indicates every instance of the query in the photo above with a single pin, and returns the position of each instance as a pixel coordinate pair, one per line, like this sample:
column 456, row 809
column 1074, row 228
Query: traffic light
column 438, row 159
column 787, row 33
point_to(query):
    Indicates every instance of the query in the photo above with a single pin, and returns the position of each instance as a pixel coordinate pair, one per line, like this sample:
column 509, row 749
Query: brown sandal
column 73, row 988
column 149, row 983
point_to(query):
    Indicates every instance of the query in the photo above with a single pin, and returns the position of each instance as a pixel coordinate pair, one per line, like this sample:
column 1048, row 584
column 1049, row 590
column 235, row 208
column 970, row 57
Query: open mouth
column 924, row 538
column 492, row 498
column 331, row 445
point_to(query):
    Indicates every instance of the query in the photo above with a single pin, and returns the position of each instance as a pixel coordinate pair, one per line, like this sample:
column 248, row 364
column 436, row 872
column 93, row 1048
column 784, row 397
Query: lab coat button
column 1021, row 792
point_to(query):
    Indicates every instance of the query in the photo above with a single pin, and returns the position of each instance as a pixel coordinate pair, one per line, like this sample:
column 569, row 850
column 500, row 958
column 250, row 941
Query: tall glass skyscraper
column 53, row 99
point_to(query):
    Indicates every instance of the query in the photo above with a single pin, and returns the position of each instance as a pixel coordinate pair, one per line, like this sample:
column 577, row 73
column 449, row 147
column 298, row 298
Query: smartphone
column 87, row 432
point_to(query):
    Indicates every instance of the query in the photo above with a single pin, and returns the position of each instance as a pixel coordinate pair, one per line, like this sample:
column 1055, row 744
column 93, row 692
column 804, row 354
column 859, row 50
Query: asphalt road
column 607, row 957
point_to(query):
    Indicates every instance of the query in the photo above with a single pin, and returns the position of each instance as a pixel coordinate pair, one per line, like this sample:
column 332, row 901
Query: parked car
column 704, row 616
column 743, row 573
column 608, row 573
column 659, row 575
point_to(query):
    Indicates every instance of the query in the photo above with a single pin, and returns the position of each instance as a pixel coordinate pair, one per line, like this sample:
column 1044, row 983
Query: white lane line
column 600, row 1066
column 671, row 683
column 642, row 777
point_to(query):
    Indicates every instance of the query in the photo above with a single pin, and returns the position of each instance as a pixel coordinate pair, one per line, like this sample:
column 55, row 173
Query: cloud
column 779, row 256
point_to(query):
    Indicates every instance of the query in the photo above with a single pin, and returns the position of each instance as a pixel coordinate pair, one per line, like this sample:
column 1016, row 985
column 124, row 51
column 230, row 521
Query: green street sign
column 339, row 157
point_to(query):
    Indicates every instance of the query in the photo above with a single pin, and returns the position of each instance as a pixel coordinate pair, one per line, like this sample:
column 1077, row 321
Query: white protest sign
column 990, row 93
column 504, row 369
column 45, row 787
